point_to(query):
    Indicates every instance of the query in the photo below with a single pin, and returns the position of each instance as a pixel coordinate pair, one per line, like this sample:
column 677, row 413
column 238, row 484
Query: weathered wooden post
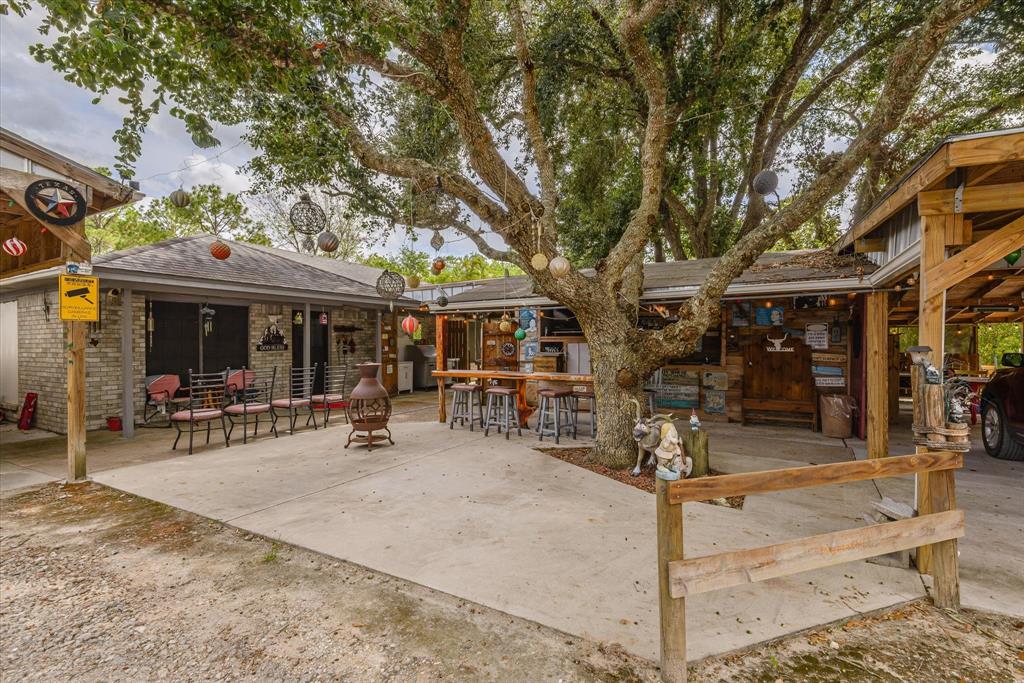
column 672, row 610
column 695, row 444
column 938, row 494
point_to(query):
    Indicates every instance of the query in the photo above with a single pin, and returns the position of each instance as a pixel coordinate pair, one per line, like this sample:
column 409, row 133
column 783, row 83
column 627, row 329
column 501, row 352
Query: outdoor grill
column 369, row 408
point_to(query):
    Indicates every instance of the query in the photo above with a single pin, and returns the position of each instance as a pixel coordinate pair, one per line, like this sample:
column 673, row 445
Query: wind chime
column 207, row 313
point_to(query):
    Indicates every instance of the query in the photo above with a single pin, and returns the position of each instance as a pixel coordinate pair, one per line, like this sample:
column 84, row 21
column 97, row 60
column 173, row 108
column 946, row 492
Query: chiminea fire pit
column 369, row 408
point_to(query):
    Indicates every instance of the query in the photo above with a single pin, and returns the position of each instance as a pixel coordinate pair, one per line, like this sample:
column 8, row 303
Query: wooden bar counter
column 520, row 378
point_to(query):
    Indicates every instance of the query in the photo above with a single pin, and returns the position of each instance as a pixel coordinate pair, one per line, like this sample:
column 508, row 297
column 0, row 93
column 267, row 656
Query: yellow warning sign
column 80, row 298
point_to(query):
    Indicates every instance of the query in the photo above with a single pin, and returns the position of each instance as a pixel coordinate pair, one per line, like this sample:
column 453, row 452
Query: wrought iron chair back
column 252, row 392
column 256, row 386
column 301, row 381
column 335, row 380
column 207, row 390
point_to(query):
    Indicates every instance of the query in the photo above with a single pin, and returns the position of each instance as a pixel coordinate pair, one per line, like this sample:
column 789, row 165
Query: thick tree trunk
column 616, row 413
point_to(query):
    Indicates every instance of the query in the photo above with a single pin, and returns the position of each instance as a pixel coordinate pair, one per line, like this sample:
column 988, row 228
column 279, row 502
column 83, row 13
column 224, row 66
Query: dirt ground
column 100, row 585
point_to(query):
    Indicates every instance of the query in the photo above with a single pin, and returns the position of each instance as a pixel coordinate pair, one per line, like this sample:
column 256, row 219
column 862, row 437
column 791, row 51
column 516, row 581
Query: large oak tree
column 508, row 115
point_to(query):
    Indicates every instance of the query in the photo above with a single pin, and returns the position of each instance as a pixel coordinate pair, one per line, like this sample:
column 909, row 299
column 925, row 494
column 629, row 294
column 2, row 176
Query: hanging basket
column 307, row 217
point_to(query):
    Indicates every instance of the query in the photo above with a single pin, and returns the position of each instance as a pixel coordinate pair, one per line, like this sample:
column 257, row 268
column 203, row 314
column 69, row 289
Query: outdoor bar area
column 791, row 332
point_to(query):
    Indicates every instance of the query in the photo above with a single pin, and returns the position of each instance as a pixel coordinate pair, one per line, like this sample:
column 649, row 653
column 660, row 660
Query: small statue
column 647, row 434
column 669, row 455
column 694, row 421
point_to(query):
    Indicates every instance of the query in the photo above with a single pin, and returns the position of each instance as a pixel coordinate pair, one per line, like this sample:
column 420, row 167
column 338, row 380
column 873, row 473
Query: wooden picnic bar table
column 520, row 378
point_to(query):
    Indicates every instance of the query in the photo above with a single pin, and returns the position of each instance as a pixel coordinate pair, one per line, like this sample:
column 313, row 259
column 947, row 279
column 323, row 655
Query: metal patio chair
column 300, row 396
column 205, row 405
column 162, row 397
column 333, row 398
column 252, row 394
column 236, row 380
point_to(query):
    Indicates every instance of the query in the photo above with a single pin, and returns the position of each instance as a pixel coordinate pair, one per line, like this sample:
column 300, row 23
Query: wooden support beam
column 671, row 608
column 749, row 483
column 714, row 572
column 76, row 399
column 944, row 274
column 866, row 245
column 441, row 359
column 975, row 199
column 979, row 173
column 127, row 367
column 877, row 323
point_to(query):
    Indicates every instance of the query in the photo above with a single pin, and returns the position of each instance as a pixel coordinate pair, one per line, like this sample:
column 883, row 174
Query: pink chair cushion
column 250, row 408
column 329, row 398
column 295, row 402
column 198, row 416
column 163, row 387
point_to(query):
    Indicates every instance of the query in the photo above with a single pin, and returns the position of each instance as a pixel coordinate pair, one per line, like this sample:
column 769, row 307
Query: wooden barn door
column 772, row 379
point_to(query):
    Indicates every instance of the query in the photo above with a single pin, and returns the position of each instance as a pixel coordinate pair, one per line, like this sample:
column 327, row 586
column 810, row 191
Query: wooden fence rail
column 679, row 577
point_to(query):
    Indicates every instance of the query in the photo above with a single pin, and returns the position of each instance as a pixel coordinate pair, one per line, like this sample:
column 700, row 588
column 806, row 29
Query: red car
column 1002, row 410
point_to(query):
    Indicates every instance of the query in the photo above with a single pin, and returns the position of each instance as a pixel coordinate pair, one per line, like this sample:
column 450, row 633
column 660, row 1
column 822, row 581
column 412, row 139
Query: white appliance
column 577, row 358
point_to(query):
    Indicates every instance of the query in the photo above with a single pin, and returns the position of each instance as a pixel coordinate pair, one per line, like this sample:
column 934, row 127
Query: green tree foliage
column 122, row 228
column 408, row 261
column 211, row 211
column 272, row 209
column 995, row 339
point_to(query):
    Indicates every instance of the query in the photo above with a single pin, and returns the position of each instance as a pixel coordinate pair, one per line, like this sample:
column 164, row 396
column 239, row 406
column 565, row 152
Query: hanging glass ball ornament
column 520, row 334
column 307, row 217
column 220, row 250
column 327, row 241
column 559, row 266
column 505, row 325
column 442, row 301
column 1012, row 257
column 539, row 261
column 15, row 247
column 765, row 182
column 438, row 265
column 437, row 240
column 413, row 281
column 180, row 198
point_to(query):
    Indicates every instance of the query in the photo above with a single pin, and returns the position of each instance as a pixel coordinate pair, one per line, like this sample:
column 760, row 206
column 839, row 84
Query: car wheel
column 995, row 434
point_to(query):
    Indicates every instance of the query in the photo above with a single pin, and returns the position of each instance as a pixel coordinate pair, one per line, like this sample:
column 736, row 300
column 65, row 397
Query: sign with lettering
column 816, row 335
column 828, row 357
column 80, row 298
column 822, row 381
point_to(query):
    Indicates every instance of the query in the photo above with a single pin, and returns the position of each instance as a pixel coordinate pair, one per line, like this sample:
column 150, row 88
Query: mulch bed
column 643, row 481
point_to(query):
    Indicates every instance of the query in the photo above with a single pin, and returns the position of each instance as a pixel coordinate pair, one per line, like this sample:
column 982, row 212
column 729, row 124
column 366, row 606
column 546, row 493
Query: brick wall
column 41, row 342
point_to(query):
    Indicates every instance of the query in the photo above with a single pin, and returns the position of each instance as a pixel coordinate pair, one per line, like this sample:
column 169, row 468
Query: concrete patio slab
column 501, row 524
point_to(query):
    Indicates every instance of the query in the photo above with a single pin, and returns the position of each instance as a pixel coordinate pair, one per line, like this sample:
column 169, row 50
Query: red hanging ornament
column 410, row 324
column 438, row 265
column 15, row 247
column 220, row 250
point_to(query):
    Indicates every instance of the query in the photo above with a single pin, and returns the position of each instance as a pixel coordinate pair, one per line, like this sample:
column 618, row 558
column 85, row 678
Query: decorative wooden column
column 441, row 364
column 75, row 331
column 877, row 324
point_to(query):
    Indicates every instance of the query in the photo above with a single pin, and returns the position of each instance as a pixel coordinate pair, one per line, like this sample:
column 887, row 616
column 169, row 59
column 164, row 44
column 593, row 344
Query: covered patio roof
column 800, row 272
column 183, row 266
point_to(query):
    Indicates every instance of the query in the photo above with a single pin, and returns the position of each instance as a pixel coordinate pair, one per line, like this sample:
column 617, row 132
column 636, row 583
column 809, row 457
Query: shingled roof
column 773, row 272
column 188, row 259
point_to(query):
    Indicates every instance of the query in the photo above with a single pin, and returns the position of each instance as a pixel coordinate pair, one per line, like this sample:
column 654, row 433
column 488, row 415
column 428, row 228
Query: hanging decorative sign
column 297, row 320
column 816, row 335
column 272, row 339
column 714, row 402
column 827, row 370
column 806, row 302
column 15, row 247
column 55, row 202
column 822, row 381
column 323, row 319
column 775, row 345
column 718, row 381
column 79, row 298
column 739, row 314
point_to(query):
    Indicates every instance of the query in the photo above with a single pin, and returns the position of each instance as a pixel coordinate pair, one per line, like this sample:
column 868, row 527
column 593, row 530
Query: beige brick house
column 170, row 307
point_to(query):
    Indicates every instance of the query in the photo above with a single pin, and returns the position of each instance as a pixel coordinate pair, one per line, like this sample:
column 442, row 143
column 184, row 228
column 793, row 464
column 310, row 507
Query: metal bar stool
column 554, row 404
column 502, row 411
column 466, row 405
column 585, row 395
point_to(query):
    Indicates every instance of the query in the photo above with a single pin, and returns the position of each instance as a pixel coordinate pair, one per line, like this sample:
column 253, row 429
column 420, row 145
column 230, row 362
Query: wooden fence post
column 672, row 610
column 695, row 444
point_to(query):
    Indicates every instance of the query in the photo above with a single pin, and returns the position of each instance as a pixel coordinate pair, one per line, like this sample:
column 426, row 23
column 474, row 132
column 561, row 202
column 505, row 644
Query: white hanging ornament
column 559, row 266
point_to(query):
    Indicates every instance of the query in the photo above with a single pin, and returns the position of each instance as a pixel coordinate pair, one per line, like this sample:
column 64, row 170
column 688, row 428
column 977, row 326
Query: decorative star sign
column 55, row 202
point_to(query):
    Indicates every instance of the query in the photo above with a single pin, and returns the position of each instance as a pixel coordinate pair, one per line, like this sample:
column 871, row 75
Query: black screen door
column 172, row 347
column 227, row 344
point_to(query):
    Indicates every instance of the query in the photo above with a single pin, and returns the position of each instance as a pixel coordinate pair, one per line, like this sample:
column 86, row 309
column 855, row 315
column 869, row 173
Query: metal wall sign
column 55, row 202
column 79, row 298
